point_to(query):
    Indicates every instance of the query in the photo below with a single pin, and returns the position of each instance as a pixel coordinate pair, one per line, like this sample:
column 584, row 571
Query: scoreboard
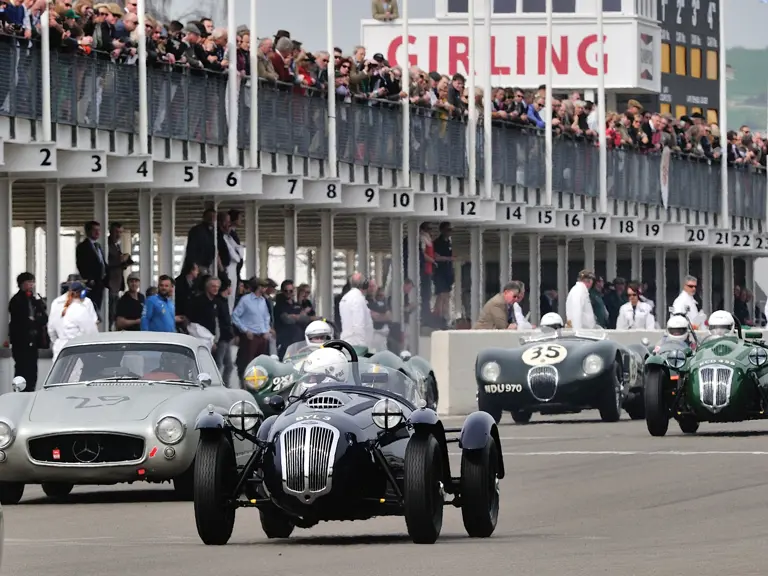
column 690, row 53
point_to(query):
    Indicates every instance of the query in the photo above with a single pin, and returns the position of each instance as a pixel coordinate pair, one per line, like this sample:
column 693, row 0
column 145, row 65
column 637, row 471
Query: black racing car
column 560, row 372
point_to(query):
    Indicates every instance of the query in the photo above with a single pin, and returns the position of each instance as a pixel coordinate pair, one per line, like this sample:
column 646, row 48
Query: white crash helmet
column 318, row 332
column 720, row 323
column 329, row 363
column 552, row 320
column 677, row 328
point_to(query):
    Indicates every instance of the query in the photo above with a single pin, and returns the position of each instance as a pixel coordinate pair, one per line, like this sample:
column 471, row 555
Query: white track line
column 634, row 453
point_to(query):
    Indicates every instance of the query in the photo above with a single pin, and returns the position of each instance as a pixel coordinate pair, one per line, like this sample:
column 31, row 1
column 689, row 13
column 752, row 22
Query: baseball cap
column 76, row 286
column 134, row 276
column 71, row 14
column 195, row 28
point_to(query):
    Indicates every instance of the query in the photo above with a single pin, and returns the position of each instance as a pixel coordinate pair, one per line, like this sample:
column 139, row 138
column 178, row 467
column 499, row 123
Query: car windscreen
column 547, row 333
column 299, row 349
column 373, row 376
column 139, row 361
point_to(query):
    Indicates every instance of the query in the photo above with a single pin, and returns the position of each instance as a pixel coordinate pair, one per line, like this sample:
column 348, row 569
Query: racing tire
column 275, row 523
column 57, row 490
column 635, row 408
column 656, row 414
column 215, row 475
column 485, row 406
column 423, row 488
column 480, row 490
column 11, row 493
column 610, row 400
column 688, row 425
column 521, row 416
column 433, row 395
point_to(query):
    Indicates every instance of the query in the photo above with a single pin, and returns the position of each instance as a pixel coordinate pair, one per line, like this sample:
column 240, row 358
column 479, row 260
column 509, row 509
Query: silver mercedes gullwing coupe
column 115, row 407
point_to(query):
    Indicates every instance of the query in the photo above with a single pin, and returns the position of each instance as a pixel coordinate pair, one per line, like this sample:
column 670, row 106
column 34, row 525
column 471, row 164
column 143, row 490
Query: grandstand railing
column 95, row 92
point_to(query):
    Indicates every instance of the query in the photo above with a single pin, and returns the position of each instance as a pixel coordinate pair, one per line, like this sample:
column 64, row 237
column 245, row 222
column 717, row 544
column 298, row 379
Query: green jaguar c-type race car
column 723, row 378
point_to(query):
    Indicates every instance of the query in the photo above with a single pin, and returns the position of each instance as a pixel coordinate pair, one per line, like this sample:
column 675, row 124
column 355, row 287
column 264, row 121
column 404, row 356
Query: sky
column 306, row 20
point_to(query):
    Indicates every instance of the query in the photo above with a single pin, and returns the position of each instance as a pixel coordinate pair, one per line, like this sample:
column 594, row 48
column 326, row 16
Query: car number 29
column 500, row 388
column 544, row 354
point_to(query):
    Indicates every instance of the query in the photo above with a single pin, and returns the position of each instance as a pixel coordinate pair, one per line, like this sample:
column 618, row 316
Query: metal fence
column 93, row 91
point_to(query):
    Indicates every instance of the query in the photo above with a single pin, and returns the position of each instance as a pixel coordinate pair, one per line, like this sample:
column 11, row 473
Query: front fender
column 265, row 428
column 210, row 418
column 477, row 428
column 424, row 416
column 426, row 421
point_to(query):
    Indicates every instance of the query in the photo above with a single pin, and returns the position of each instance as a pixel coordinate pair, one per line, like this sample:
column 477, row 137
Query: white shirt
column 578, row 308
column 522, row 323
column 80, row 318
column 686, row 304
column 356, row 321
column 641, row 318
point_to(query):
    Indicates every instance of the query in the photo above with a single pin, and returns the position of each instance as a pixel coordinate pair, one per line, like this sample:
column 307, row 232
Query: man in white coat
column 578, row 307
column 635, row 314
column 520, row 319
column 356, row 321
column 72, row 314
column 685, row 303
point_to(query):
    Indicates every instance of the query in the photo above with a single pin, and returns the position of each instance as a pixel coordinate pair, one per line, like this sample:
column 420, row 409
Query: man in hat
column 578, row 307
column 130, row 306
column 252, row 317
column 27, row 328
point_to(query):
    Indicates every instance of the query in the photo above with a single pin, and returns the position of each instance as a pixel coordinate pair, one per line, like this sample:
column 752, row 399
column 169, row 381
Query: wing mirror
column 405, row 355
column 645, row 342
column 204, row 379
column 19, row 384
column 276, row 403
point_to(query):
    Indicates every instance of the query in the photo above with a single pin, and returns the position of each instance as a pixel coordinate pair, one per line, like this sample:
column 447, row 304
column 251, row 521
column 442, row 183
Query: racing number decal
column 544, row 354
column 99, row 401
column 280, row 382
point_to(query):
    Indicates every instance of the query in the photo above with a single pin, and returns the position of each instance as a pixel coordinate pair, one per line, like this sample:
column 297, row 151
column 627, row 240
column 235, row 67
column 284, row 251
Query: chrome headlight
column 387, row 414
column 758, row 356
column 592, row 364
column 256, row 377
column 676, row 359
column 6, row 435
column 490, row 372
column 170, row 430
column 244, row 415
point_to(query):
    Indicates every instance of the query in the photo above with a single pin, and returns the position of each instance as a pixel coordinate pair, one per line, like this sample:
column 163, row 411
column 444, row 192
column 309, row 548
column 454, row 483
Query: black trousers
column 25, row 360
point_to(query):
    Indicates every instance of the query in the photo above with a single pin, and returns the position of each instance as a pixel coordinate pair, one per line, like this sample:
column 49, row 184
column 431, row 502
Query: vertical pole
column 232, row 83
column 141, row 9
column 487, row 106
column 52, row 238
column 406, row 65
column 548, row 110
column 45, row 72
column 725, row 221
column 472, row 125
column 603, row 152
column 6, row 223
column 333, row 165
column 254, row 141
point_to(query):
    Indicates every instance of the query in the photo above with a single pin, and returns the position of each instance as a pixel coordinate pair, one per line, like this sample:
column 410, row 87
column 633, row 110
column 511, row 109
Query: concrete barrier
column 454, row 353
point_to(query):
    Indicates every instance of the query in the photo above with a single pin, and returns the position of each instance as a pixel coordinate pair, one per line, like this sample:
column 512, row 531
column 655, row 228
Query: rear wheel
column 215, row 476
column 521, row 416
column 11, row 492
column 423, row 488
column 610, row 402
column 275, row 522
column 656, row 413
column 635, row 408
column 688, row 425
column 480, row 490
column 57, row 489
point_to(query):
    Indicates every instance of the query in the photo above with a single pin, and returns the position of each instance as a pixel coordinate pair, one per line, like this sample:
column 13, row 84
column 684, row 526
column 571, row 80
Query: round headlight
column 256, row 377
column 490, row 372
column 758, row 356
column 170, row 430
column 6, row 435
column 244, row 415
column 592, row 364
column 387, row 414
column 676, row 359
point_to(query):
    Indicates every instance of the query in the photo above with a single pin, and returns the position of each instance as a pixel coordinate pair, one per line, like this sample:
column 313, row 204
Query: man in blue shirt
column 252, row 318
column 159, row 310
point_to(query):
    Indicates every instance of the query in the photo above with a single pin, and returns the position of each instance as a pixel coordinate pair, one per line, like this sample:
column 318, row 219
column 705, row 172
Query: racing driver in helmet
column 678, row 330
column 325, row 366
column 318, row 332
column 721, row 323
column 552, row 320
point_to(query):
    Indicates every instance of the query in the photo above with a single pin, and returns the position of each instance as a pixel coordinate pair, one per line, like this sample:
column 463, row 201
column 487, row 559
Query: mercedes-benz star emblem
column 86, row 451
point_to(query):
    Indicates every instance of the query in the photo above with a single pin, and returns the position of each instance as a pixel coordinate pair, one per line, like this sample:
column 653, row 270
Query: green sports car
column 267, row 376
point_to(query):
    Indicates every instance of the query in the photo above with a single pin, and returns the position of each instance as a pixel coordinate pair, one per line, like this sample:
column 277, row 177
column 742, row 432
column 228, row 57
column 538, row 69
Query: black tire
column 521, row 416
column 57, row 489
column 422, row 488
column 656, row 413
column 275, row 523
column 184, row 484
column 635, row 408
column 485, row 405
column 610, row 400
column 433, row 394
column 11, row 492
column 215, row 477
column 480, row 490
column 688, row 425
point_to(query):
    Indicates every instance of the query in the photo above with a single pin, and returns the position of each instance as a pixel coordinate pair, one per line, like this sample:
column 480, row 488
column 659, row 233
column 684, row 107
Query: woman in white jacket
column 72, row 314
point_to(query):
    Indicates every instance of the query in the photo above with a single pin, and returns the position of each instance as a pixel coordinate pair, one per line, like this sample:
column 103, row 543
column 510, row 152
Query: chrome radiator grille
column 715, row 386
column 542, row 380
column 324, row 402
column 308, row 450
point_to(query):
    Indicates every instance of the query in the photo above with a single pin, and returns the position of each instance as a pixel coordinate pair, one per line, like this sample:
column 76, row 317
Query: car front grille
column 86, row 448
column 715, row 386
column 324, row 402
column 542, row 380
column 308, row 450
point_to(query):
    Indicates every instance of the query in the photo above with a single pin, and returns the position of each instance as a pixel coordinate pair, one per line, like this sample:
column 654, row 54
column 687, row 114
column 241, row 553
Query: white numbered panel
column 697, row 235
column 624, row 227
column 431, row 205
column 30, row 157
column 396, row 201
column 282, row 188
column 720, row 238
column 221, row 179
column 322, row 192
column 743, row 241
column 511, row 213
column 465, row 209
column 176, row 175
column 597, row 224
column 570, row 220
column 360, row 198
column 541, row 218
column 761, row 242
column 651, row 231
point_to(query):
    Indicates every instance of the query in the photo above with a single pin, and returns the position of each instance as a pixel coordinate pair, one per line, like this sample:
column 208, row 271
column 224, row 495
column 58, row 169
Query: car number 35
column 544, row 354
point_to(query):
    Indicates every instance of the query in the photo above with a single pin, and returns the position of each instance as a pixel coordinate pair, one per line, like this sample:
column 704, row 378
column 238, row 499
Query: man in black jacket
column 92, row 263
column 200, row 245
column 223, row 353
column 27, row 328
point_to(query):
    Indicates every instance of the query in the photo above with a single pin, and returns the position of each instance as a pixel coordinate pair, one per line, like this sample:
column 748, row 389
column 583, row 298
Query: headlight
column 592, row 364
column 256, row 377
column 6, row 435
column 758, row 356
column 387, row 414
column 676, row 359
column 244, row 415
column 170, row 430
column 490, row 372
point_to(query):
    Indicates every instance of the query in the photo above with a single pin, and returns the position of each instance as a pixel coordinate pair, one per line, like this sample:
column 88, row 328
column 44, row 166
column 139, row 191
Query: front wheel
column 11, row 492
column 656, row 413
column 480, row 490
column 485, row 405
column 635, row 408
column 688, row 425
column 610, row 401
column 215, row 476
column 423, row 488
column 57, row 489
column 521, row 416
column 275, row 522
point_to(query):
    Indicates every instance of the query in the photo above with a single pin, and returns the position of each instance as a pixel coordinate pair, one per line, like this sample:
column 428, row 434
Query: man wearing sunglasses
column 685, row 303
column 635, row 315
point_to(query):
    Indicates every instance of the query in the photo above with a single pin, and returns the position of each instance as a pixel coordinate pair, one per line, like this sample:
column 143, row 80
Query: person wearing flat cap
column 130, row 306
column 578, row 306
column 252, row 318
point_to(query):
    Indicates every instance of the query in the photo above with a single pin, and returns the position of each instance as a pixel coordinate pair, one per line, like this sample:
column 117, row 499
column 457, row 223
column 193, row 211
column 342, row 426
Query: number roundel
column 544, row 354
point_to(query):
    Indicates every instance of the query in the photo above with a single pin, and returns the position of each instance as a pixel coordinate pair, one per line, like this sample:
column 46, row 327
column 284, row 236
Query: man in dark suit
column 200, row 248
column 27, row 329
column 92, row 264
column 117, row 262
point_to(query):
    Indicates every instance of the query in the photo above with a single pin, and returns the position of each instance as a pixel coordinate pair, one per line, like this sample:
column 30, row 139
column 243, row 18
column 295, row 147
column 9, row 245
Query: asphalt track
column 580, row 498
